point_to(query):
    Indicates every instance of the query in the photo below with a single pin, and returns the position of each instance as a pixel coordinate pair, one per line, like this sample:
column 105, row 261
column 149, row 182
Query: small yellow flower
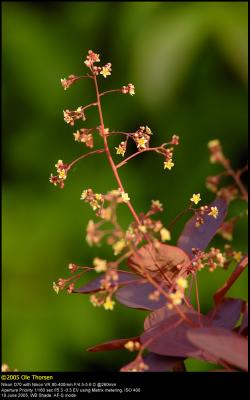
column 77, row 136
column 165, row 234
column 176, row 298
column 237, row 256
column 119, row 246
column 213, row 143
column 100, row 265
column 220, row 258
column 94, row 204
column 168, row 164
column 196, row 198
column 109, row 304
column 182, row 283
column 62, row 174
column 98, row 196
column 56, row 287
column 129, row 345
column 142, row 228
column 131, row 89
column 120, row 150
column 156, row 204
column 105, row 72
column 214, row 212
column 125, row 197
column 84, row 195
column 132, row 346
column 141, row 142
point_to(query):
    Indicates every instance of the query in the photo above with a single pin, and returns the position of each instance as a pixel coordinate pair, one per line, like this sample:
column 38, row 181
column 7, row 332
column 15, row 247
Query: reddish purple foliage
column 223, row 344
column 169, row 336
column 166, row 258
column 227, row 313
column 136, row 296
column 200, row 237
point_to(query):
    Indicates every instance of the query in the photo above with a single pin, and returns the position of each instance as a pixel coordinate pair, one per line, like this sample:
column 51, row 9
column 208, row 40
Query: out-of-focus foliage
column 188, row 62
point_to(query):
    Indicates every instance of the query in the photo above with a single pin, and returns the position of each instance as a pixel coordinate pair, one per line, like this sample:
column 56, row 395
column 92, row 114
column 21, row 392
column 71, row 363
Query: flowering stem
column 136, row 154
column 190, row 287
column 114, row 169
column 110, row 159
column 84, row 156
column 89, row 105
column 121, row 133
column 110, row 91
column 197, row 298
column 84, row 76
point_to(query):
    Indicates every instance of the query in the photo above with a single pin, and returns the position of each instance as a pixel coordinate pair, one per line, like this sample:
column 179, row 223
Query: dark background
column 188, row 62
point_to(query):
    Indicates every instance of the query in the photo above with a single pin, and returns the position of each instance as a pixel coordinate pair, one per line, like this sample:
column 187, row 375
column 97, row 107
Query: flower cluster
column 58, row 180
column 84, row 136
column 132, row 345
column 168, row 163
column 67, row 82
column 176, row 297
column 91, row 59
column 215, row 149
column 212, row 259
column 71, row 116
column 100, row 265
column 96, row 200
column 142, row 137
column 129, row 89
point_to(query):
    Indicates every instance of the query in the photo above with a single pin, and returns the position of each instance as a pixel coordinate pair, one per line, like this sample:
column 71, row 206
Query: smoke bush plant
column 159, row 277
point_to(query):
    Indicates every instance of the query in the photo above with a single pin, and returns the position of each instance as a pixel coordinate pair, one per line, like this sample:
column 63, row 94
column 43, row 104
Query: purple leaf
column 201, row 236
column 169, row 338
column 226, row 314
column 157, row 363
column 221, row 343
column 115, row 344
column 95, row 285
column 163, row 314
column 166, row 258
column 136, row 296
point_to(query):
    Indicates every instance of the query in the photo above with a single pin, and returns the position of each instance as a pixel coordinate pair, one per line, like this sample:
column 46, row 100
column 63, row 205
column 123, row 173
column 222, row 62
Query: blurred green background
column 188, row 62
